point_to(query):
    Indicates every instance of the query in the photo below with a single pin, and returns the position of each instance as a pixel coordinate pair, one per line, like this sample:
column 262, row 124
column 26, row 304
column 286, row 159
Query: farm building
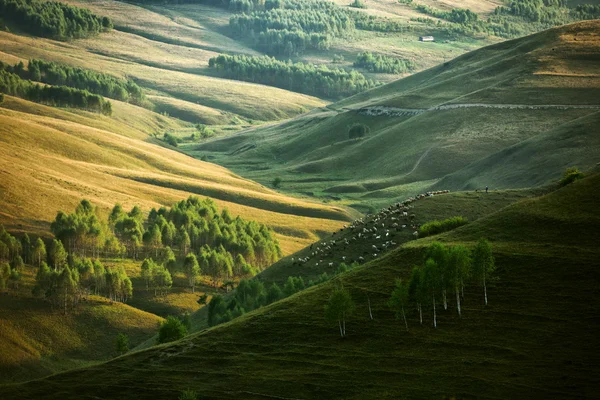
column 426, row 39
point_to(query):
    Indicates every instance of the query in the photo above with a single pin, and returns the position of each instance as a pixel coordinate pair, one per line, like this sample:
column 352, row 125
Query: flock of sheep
column 371, row 235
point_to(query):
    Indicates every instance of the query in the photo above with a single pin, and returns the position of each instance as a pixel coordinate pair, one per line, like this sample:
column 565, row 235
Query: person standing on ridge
column 486, row 189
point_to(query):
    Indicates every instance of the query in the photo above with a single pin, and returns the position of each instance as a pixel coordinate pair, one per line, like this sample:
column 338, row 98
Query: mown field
column 527, row 342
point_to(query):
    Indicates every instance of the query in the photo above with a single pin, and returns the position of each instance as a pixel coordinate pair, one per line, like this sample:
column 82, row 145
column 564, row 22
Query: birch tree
column 192, row 270
column 439, row 253
column 483, row 264
column 431, row 283
column 399, row 300
column 459, row 268
column 338, row 308
column 416, row 290
column 39, row 252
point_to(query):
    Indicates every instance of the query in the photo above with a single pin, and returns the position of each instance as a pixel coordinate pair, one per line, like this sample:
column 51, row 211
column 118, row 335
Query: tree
column 39, row 252
column 17, row 264
column 170, row 330
column 399, row 300
column 483, row 264
column 276, row 182
column 358, row 130
column 26, row 248
column 147, row 268
column 274, row 293
column 4, row 275
column 459, row 269
column 57, row 255
column 192, row 270
column 439, row 253
column 339, row 306
column 431, row 284
column 416, row 290
column 122, row 343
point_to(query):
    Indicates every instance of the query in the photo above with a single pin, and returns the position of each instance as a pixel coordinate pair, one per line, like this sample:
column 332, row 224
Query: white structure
column 426, row 39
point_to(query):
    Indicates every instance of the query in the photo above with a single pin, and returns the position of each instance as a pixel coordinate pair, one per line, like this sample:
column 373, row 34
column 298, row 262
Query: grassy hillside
column 38, row 341
column 527, row 343
column 436, row 123
column 53, row 158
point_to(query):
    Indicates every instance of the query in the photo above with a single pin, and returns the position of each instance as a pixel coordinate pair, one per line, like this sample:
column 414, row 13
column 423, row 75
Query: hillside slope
column 52, row 158
column 535, row 339
column 436, row 123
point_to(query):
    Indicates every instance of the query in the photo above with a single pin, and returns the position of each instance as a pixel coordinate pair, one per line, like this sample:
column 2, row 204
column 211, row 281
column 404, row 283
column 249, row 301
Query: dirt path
column 400, row 112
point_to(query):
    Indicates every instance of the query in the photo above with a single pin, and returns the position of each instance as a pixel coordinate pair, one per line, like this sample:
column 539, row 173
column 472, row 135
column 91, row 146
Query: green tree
column 122, row 343
column 459, row 270
column 192, row 270
column 57, row 255
column 339, row 306
column 483, row 265
column 274, row 293
column 39, row 252
column 399, row 300
column 26, row 248
column 431, row 284
column 188, row 394
column 276, row 182
column 4, row 275
column 170, row 330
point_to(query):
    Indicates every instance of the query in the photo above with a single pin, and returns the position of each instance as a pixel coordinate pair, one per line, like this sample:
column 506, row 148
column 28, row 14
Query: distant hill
column 535, row 339
column 517, row 96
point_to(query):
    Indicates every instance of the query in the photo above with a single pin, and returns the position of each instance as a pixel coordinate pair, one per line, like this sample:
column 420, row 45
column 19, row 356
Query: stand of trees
column 60, row 96
column 65, row 285
column 299, row 77
column 53, row 19
column 380, row 63
column 435, row 227
column 444, row 275
column 102, row 84
column 222, row 247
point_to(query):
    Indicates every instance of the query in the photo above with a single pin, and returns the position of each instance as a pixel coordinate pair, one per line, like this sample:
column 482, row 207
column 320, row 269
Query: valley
column 299, row 199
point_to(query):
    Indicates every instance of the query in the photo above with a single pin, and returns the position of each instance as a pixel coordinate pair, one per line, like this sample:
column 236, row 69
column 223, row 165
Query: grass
column 38, row 341
column 109, row 160
column 447, row 148
column 535, row 339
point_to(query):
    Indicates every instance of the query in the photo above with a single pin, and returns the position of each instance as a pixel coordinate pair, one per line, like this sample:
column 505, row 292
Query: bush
column 571, row 175
column 188, row 395
column 276, row 182
column 170, row 139
column 358, row 130
column 358, row 4
column 171, row 330
column 122, row 344
column 435, row 227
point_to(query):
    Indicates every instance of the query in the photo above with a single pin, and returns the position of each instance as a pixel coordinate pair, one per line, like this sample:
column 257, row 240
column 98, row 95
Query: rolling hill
column 535, row 339
column 52, row 158
column 516, row 97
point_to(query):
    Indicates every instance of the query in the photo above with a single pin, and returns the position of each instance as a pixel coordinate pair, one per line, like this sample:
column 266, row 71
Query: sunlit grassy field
column 53, row 158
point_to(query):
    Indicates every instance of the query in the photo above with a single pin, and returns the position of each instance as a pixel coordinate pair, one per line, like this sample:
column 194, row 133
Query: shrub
column 435, row 227
column 571, row 175
column 188, row 395
column 122, row 344
column 170, row 139
column 358, row 130
column 276, row 182
column 358, row 4
column 171, row 330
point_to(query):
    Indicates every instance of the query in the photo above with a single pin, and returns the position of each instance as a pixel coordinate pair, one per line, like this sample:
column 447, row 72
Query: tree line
column 299, row 77
column 446, row 271
column 385, row 64
column 53, row 19
column 252, row 294
column 62, row 75
column 59, row 96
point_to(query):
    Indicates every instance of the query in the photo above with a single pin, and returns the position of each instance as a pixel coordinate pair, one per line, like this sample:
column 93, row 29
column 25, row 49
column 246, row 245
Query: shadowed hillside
column 527, row 343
